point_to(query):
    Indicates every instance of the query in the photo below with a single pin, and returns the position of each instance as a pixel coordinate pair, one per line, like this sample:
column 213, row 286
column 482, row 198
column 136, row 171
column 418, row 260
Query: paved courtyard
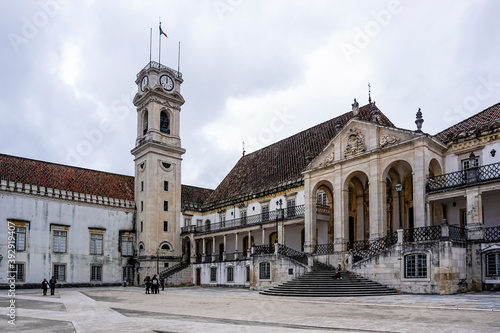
column 196, row 309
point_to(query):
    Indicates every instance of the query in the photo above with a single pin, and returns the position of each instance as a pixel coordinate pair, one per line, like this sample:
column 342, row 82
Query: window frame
column 99, row 272
column 265, row 270
column 55, row 271
column 230, row 274
column 21, row 265
column 92, row 241
column 17, row 241
column 165, row 226
column 213, row 274
column 59, row 236
column 165, row 185
column 496, row 260
column 419, row 267
column 165, row 206
column 127, row 246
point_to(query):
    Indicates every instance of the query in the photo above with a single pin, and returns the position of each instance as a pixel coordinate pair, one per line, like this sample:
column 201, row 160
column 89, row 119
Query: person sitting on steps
column 338, row 274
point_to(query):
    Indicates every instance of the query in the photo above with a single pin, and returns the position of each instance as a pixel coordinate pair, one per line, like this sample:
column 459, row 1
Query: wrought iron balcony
column 472, row 176
column 288, row 213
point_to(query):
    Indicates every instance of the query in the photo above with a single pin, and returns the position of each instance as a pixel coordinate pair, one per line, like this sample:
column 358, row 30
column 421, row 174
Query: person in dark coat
column 45, row 286
column 52, row 284
column 155, row 287
column 148, row 283
column 162, row 283
column 338, row 274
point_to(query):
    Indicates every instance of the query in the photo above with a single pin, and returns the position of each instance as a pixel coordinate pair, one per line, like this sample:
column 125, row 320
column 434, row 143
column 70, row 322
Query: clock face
column 166, row 82
column 144, row 82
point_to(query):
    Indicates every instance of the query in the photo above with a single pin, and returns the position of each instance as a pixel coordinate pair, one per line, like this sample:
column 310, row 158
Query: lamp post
column 278, row 214
column 399, row 187
column 157, row 268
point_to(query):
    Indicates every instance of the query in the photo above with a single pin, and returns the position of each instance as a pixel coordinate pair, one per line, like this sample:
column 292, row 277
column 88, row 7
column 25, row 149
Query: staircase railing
column 174, row 269
column 292, row 254
column 365, row 249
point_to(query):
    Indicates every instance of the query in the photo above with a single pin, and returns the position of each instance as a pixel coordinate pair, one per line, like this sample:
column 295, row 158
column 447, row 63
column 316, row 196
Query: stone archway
column 186, row 249
column 398, row 172
column 356, row 205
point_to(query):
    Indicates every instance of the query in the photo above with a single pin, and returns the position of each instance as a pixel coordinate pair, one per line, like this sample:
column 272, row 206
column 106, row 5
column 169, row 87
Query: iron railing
column 471, row 176
column 288, row 213
column 491, row 234
column 174, row 269
column 364, row 249
column 321, row 249
column 457, row 233
column 422, row 234
column 322, row 209
column 292, row 254
column 264, row 249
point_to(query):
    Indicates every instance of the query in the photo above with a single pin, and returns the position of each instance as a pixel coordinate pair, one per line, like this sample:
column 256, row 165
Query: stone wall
column 181, row 278
column 283, row 269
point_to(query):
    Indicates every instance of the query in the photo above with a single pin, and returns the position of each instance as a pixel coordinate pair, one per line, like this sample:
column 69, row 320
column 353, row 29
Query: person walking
column 45, row 286
column 52, row 284
column 162, row 283
column 155, row 284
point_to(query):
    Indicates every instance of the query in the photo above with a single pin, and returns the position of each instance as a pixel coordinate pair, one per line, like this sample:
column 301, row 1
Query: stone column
column 225, row 242
column 236, row 256
column 375, row 195
column 310, row 217
column 419, row 194
column 250, row 245
column 213, row 249
column 263, row 236
column 204, row 251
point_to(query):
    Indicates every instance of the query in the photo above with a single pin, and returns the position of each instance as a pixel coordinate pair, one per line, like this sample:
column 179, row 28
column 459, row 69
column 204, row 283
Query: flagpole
column 179, row 61
column 159, row 48
column 150, row 42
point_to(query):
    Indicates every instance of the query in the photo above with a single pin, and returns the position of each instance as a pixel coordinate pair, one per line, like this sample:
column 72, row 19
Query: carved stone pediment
column 327, row 160
column 388, row 140
column 355, row 142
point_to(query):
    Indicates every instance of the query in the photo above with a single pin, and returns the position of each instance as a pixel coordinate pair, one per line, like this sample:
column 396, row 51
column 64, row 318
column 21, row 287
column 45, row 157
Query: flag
column 162, row 33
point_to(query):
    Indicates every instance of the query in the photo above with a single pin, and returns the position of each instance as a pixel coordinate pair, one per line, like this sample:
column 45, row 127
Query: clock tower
column 158, row 159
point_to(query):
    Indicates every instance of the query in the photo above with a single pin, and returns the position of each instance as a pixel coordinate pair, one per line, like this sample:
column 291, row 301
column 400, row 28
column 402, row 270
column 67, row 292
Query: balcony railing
column 422, row 234
column 471, row 176
column 155, row 64
column 288, row 213
column 491, row 234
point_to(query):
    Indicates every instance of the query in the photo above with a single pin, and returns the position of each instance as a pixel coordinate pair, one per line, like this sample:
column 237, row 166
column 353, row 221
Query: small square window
column 290, row 271
column 165, row 185
column 416, row 266
column 165, row 206
column 165, row 226
column 165, row 264
column 264, row 271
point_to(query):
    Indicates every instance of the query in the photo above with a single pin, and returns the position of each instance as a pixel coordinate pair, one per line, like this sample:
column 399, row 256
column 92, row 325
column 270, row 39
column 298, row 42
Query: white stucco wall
column 41, row 213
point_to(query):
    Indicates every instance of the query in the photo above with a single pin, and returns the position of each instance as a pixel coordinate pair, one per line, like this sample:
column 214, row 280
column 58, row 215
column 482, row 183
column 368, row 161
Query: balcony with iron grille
column 288, row 213
column 473, row 176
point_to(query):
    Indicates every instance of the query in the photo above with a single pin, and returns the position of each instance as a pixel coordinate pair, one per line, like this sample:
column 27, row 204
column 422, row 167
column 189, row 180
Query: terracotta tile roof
column 192, row 197
column 280, row 165
column 471, row 125
column 63, row 177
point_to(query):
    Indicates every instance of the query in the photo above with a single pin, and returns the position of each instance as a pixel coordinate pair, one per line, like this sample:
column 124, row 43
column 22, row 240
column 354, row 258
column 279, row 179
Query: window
column 128, row 273
column 60, row 272
column 165, row 226
column 470, row 163
column 265, row 213
column 248, row 273
column 20, row 237
column 290, row 207
column 165, row 247
column 243, row 216
column 164, row 123
column 19, row 271
column 493, row 264
column 59, row 241
column 127, row 248
column 165, row 185
column 142, row 206
column 142, row 227
column 222, row 218
column 95, row 273
column 213, row 274
column 321, row 198
column 165, row 206
column 96, row 244
column 187, row 222
column 416, row 266
column 230, row 274
column 145, row 123
column 165, row 264
column 142, row 186
column 264, row 271
column 199, row 223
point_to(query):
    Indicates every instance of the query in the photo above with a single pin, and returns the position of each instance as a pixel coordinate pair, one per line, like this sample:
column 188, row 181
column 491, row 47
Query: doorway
column 351, row 232
column 198, row 276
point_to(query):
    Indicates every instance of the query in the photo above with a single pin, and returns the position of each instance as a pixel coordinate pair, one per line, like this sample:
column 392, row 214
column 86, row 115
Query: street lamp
column 399, row 187
column 278, row 214
column 157, row 269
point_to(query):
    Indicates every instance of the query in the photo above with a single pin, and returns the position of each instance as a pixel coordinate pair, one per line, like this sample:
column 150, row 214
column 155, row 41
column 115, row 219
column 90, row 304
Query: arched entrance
column 399, row 172
column 357, row 207
column 246, row 245
column 323, row 213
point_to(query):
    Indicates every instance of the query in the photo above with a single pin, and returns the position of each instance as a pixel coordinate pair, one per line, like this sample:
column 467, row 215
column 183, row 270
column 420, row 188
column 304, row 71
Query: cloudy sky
column 254, row 71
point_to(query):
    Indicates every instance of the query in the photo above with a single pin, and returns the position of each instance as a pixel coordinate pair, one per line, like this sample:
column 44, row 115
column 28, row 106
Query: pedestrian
column 125, row 282
column 155, row 284
column 148, row 283
column 162, row 283
column 52, row 284
column 45, row 286
column 338, row 274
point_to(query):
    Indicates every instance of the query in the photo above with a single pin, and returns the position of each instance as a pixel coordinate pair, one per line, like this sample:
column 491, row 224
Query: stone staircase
column 319, row 283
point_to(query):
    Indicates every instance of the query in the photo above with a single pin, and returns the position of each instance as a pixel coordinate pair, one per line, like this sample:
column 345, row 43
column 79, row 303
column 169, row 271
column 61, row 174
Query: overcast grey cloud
column 254, row 71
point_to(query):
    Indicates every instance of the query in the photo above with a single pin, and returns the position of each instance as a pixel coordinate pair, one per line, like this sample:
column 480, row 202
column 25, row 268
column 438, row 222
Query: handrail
column 467, row 177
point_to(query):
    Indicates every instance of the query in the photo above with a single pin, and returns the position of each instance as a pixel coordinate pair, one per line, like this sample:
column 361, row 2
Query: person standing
column 162, row 283
column 148, row 283
column 155, row 284
column 45, row 286
column 52, row 284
